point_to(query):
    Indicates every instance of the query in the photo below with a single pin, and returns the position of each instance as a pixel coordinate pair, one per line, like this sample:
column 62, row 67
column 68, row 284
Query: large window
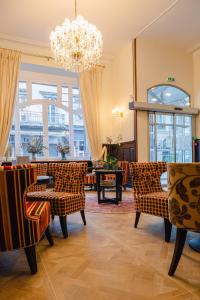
column 48, row 106
column 170, row 134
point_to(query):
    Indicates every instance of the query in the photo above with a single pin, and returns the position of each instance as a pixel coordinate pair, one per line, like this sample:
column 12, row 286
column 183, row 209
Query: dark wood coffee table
column 101, row 185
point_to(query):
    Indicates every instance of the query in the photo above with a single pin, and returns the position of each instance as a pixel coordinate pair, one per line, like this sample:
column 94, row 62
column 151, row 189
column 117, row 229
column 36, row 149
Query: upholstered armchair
column 148, row 193
column 184, row 204
column 40, row 170
column 22, row 224
column 68, row 195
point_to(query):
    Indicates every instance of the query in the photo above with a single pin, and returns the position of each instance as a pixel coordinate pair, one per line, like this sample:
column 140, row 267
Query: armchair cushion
column 154, row 204
column 41, row 212
column 62, row 203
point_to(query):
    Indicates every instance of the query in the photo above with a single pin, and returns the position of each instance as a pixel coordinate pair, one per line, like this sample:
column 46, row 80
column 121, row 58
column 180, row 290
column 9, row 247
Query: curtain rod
column 43, row 56
column 50, row 57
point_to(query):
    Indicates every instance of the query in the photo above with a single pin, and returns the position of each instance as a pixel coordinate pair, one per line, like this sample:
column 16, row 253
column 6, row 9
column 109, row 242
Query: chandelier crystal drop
column 76, row 45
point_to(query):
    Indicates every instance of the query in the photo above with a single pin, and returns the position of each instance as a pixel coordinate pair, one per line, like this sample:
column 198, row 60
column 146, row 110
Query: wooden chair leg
column 168, row 230
column 31, row 258
column 137, row 217
column 48, row 236
column 83, row 216
column 180, row 242
column 63, row 224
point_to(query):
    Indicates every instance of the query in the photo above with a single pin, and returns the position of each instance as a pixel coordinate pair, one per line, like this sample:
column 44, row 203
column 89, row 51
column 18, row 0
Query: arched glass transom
column 168, row 95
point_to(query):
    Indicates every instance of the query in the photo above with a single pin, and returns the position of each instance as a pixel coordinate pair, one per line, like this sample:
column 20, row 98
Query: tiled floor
column 106, row 260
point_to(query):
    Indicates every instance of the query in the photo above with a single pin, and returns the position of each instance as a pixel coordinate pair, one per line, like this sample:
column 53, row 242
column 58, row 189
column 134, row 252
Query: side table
column 101, row 185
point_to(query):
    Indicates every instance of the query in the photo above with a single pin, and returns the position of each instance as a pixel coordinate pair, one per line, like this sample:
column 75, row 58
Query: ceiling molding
column 165, row 11
column 194, row 48
column 22, row 40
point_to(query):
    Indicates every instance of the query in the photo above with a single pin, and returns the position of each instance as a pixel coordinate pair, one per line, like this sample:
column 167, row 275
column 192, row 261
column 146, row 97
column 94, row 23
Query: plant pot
column 33, row 156
column 63, row 155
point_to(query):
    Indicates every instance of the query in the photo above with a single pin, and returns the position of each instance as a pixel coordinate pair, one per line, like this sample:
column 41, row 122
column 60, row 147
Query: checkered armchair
column 148, row 193
column 184, row 204
column 22, row 224
column 68, row 195
column 40, row 170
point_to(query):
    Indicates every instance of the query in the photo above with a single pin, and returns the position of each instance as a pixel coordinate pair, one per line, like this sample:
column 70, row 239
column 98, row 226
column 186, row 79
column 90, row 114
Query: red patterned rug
column 125, row 207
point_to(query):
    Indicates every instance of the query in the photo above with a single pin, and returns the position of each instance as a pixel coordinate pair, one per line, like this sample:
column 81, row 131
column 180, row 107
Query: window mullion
column 71, row 125
column 29, row 92
column 59, row 97
column 17, row 128
column 155, row 135
column 174, row 137
column 45, row 129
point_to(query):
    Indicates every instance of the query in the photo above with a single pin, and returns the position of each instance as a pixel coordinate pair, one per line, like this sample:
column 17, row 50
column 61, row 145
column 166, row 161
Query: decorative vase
column 63, row 155
column 34, row 156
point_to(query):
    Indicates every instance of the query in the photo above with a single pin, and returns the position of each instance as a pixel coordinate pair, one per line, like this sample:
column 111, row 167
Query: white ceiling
column 118, row 20
column 180, row 26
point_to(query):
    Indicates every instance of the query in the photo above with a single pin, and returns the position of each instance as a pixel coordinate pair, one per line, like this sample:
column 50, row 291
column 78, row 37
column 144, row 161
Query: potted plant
column 111, row 163
column 35, row 146
column 8, row 153
column 63, row 148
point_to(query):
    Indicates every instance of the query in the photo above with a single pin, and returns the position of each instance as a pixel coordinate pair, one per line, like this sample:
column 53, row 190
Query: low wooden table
column 102, row 185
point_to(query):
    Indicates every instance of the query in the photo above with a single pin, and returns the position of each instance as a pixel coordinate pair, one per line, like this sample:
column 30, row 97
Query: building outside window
column 48, row 106
column 170, row 135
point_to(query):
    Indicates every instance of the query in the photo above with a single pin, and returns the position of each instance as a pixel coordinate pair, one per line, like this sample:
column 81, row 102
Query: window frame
column 60, row 81
column 174, row 125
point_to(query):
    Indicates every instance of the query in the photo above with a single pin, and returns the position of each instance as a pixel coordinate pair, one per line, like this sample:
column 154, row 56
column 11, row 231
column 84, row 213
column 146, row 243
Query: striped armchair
column 68, row 195
column 22, row 223
column 148, row 193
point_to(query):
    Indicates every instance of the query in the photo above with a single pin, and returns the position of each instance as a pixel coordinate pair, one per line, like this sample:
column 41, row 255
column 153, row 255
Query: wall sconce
column 116, row 112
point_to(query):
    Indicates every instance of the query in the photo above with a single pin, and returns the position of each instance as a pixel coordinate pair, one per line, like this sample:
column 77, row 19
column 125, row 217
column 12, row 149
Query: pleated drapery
column 91, row 90
column 9, row 70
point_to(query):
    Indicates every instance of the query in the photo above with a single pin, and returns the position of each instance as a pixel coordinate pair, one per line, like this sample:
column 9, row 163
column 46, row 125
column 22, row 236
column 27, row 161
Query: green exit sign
column 170, row 79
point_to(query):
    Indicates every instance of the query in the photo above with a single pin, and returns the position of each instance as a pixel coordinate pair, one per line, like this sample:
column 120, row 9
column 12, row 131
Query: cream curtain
column 9, row 69
column 91, row 89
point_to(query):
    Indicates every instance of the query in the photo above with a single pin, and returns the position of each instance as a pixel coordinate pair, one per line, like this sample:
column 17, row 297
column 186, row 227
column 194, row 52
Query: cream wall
column 196, row 63
column 122, row 85
column 155, row 62
column 106, row 104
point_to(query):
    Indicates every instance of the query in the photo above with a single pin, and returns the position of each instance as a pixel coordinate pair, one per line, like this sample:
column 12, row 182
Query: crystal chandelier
column 76, row 45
